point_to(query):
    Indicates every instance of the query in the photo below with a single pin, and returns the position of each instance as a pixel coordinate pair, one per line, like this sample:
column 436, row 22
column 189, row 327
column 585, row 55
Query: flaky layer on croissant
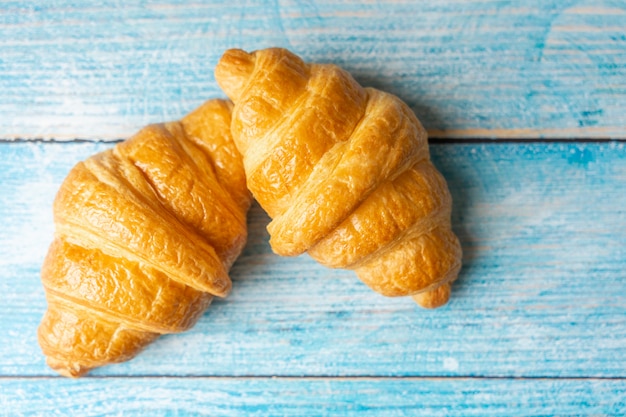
column 146, row 233
column 343, row 171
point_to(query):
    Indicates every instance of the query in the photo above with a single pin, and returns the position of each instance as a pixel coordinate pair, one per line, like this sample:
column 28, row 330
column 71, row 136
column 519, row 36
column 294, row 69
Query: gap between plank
column 324, row 377
column 445, row 141
column 431, row 141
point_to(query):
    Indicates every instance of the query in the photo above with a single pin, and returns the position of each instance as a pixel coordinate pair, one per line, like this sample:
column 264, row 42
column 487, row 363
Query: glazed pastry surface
column 145, row 234
column 344, row 172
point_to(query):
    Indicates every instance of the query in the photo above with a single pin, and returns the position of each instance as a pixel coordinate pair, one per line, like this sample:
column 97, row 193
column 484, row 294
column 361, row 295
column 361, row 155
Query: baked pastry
column 344, row 173
column 145, row 235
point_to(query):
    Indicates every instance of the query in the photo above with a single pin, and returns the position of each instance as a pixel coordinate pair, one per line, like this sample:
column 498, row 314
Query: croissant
column 145, row 235
column 343, row 171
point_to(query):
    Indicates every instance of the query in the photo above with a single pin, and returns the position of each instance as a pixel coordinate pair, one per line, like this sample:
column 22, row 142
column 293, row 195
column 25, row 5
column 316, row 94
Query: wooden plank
column 542, row 292
column 479, row 68
column 310, row 397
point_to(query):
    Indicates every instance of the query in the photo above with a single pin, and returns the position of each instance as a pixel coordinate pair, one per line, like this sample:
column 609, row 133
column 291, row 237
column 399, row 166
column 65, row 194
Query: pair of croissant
column 147, row 231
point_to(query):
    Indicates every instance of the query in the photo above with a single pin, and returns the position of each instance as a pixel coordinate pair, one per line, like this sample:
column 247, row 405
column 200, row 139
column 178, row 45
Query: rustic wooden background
column 525, row 103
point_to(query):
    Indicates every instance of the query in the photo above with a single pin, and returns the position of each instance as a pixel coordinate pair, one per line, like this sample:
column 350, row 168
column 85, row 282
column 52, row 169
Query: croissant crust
column 343, row 171
column 145, row 235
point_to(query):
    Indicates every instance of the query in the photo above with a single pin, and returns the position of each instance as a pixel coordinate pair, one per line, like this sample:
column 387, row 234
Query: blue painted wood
column 542, row 292
column 310, row 397
column 479, row 68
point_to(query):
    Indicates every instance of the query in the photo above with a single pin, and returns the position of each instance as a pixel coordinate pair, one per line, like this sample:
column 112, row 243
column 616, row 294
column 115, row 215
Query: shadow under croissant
column 462, row 198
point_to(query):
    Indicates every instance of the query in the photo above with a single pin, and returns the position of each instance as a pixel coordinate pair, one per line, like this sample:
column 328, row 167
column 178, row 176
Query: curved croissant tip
column 433, row 298
column 233, row 70
column 66, row 369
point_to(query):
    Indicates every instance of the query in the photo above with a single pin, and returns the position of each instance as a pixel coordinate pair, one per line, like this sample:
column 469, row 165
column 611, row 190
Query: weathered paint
column 468, row 68
column 542, row 292
column 536, row 324
column 311, row 397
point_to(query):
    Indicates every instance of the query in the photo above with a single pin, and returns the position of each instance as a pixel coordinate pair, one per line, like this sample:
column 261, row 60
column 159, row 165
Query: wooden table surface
column 525, row 104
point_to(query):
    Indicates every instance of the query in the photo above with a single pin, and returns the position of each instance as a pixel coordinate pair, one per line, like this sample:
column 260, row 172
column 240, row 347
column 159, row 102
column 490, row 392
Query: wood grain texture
column 479, row 68
column 542, row 292
column 537, row 320
column 310, row 397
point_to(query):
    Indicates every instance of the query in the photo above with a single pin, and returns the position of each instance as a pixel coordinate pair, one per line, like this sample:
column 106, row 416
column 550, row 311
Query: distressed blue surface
column 542, row 292
column 311, row 397
column 495, row 68
column 537, row 320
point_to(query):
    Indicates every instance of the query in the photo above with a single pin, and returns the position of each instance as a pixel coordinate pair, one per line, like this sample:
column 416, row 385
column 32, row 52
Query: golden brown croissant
column 343, row 171
column 145, row 235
